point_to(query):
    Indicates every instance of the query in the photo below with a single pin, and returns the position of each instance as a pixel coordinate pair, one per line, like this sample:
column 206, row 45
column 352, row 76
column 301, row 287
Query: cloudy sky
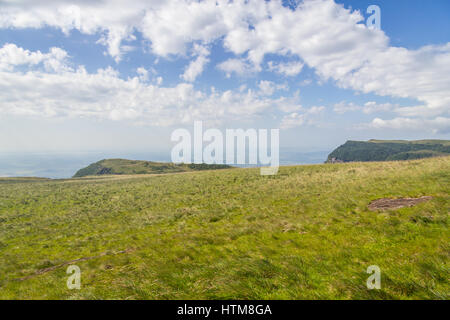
column 122, row 75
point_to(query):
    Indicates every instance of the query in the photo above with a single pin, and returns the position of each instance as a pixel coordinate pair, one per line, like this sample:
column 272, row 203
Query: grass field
column 305, row 233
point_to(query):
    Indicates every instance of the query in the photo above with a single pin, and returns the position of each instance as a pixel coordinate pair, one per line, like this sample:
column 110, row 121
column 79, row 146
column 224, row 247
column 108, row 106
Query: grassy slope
column 390, row 150
column 412, row 155
column 430, row 141
column 305, row 233
column 123, row 166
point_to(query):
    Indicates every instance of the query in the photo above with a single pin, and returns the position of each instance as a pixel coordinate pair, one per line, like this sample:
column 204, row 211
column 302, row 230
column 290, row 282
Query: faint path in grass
column 52, row 268
column 115, row 177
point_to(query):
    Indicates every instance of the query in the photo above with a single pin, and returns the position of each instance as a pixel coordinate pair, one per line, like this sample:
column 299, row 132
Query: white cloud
column 329, row 38
column 324, row 35
column 12, row 56
column 268, row 88
column 296, row 119
column 420, row 111
column 343, row 107
column 238, row 66
column 195, row 68
column 115, row 20
column 373, row 107
column 143, row 74
column 367, row 108
column 104, row 95
column 436, row 125
column 423, row 74
column 289, row 69
column 171, row 25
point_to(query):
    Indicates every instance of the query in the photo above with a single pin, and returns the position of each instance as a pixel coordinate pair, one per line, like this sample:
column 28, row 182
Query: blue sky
column 83, row 76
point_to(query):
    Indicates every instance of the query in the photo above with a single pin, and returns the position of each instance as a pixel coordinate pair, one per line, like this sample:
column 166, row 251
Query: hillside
column 390, row 150
column 122, row 167
column 306, row 233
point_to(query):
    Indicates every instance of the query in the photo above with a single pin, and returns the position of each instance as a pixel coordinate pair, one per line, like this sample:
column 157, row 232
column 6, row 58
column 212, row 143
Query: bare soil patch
column 394, row 204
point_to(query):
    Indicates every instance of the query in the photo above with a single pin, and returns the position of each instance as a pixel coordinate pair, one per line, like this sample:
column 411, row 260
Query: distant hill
column 389, row 150
column 123, row 166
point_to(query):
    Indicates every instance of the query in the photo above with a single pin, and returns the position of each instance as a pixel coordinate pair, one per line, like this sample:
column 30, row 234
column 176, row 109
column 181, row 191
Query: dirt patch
column 394, row 204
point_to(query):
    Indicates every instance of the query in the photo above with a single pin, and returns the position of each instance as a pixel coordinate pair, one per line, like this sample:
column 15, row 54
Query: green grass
column 429, row 141
column 305, row 233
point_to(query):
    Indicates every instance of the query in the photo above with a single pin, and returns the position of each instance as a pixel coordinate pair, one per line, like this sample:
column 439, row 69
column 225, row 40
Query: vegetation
column 305, row 233
column 389, row 150
column 22, row 179
column 122, row 166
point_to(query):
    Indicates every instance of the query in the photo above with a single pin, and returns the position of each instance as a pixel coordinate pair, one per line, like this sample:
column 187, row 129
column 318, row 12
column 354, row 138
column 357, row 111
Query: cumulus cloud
column 169, row 25
column 343, row 107
column 237, row 66
column 12, row 56
column 331, row 39
column 429, row 124
column 268, row 88
column 436, row 125
column 367, row 108
column 290, row 69
column 373, row 107
column 113, row 20
column 143, row 74
column 297, row 119
column 324, row 35
column 195, row 67
column 70, row 92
